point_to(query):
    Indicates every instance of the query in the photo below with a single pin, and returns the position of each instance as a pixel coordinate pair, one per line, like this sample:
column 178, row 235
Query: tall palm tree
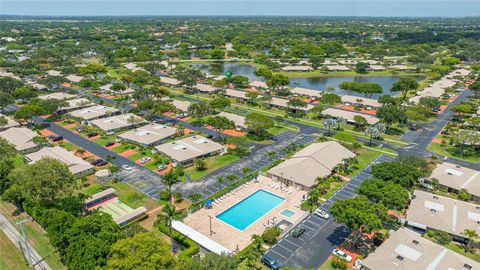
column 167, row 215
column 169, row 180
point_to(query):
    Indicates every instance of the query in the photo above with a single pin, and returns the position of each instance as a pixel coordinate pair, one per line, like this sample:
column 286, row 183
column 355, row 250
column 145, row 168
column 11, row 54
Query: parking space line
column 272, row 250
column 285, row 239
column 281, row 246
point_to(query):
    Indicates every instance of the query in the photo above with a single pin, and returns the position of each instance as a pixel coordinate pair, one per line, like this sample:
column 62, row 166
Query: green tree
column 472, row 237
column 390, row 114
column 362, row 67
column 252, row 96
column 143, row 251
column 464, row 195
column 213, row 261
column 360, row 121
column 264, row 73
column 359, row 215
column 5, row 99
column 258, row 124
column 404, row 85
column 8, row 85
column 199, row 109
column 278, row 82
column 169, row 179
column 396, row 172
column 220, row 103
column 392, row 195
column 200, row 164
column 27, row 112
column 166, row 216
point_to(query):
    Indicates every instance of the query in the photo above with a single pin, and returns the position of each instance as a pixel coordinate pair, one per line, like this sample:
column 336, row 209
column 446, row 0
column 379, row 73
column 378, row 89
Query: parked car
column 56, row 138
column 145, row 160
column 444, row 132
column 297, row 232
column 161, row 167
column 80, row 129
column 322, row 214
column 96, row 161
column 413, row 127
column 92, row 134
column 101, row 163
column 270, row 262
column 126, row 167
column 109, row 144
column 342, row 255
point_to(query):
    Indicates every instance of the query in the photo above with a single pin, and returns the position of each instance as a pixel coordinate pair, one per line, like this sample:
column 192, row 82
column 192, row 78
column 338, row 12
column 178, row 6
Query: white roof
column 361, row 100
column 170, row 81
column 349, row 115
column 75, row 164
column 74, row 78
column 149, row 134
column 118, row 122
column 442, row 213
column 306, row 92
column 377, row 67
column 237, row 94
column 457, row 177
column 20, row 137
column 237, row 119
column 93, row 112
column 54, row 73
column 199, row 238
column 297, row 68
column 57, row 95
column 338, row 68
column 405, row 250
column 189, row 148
column 258, row 84
column 181, row 105
column 205, row 87
column 281, row 102
column 10, row 122
column 77, row 103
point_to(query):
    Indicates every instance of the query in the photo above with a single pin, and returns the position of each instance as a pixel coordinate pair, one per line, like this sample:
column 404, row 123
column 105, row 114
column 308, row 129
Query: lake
column 318, row 83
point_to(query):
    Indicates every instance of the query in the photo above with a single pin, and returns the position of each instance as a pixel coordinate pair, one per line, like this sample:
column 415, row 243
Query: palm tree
column 169, row 180
column 356, row 146
column 373, row 132
column 167, row 215
column 329, row 124
column 271, row 154
column 472, row 237
column 220, row 180
column 80, row 152
column 246, row 170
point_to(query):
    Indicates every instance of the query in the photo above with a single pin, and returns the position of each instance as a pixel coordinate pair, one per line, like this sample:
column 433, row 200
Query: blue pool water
column 250, row 209
column 287, row 213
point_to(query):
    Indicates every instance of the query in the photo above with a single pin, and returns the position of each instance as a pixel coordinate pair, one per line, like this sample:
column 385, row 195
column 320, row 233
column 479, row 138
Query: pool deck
column 233, row 238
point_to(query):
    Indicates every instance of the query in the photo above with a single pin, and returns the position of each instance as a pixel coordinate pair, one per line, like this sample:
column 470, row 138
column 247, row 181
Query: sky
column 374, row 8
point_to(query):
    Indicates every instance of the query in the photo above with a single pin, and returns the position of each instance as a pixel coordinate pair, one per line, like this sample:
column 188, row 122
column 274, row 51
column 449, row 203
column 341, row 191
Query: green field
column 451, row 151
column 11, row 258
column 213, row 164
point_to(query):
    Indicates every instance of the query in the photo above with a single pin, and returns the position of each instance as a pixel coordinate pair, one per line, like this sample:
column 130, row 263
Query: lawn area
column 11, row 258
column 364, row 158
column 122, row 148
column 104, row 139
column 18, row 161
column 126, row 194
column 37, row 237
column 451, row 151
column 455, row 247
column 213, row 164
column 68, row 146
column 276, row 130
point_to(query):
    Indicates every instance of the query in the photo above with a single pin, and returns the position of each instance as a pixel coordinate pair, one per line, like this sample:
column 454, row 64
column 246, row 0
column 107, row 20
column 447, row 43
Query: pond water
column 318, row 83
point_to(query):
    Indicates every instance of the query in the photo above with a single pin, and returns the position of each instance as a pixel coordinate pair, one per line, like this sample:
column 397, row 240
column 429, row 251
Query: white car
column 145, row 160
column 126, row 167
column 342, row 255
column 322, row 214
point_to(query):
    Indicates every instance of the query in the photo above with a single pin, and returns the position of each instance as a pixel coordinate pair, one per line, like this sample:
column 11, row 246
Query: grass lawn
column 11, row 258
column 454, row 247
column 213, row 164
column 68, row 146
column 122, row 148
column 364, row 158
column 18, row 161
column 104, row 139
column 126, row 194
column 276, row 130
column 451, row 151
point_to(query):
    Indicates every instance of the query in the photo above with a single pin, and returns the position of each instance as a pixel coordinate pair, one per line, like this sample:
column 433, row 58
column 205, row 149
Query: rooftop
column 306, row 92
column 189, row 148
column 93, row 112
column 237, row 119
column 118, row 122
column 406, row 250
column 361, row 100
column 20, row 137
column 181, row 105
column 57, row 95
column 349, row 115
column 149, row 134
column 457, row 177
column 75, row 164
column 170, row 81
column 205, row 87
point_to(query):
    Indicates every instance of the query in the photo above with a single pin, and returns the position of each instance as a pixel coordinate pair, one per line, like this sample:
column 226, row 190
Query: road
column 321, row 236
column 16, row 238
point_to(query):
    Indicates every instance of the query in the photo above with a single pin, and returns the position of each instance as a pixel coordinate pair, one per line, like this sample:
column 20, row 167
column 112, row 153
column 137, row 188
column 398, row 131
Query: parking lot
column 321, row 236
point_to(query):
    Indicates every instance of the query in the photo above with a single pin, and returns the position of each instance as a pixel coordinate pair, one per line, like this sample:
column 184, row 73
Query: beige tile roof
column 361, row 100
column 181, row 105
column 170, row 81
column 349, row 115
column 189, row 148
column 149, row 134
column 406, row 250
column 306, row 92
column 54, row 73
column 338, row 68
column 205, row 87
column 74, row 78
column 118, row 122
column 237, row 119
column 57, row 95
column 442, row 213
column 75, row 164
column 457, row 177
column 258, row 84
column 281, row 102
column 20, row 137
column 316, row 160
column 93, row 112
column 77, row 103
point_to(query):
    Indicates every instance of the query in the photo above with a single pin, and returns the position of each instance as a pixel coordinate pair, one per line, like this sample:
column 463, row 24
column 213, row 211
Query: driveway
column 321, row 236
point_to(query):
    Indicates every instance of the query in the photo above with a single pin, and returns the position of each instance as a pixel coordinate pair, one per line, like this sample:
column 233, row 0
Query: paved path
column 16, row 238
column 321, row 236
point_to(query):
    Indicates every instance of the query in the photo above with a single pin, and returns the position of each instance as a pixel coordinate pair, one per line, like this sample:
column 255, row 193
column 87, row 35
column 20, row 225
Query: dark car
column 101, row 163
column 96, row 161
column 270, row 262
column 109, row 144
column 92, row 134
column 210, row 136
column 456, row 119
column 56, row 138
column 444, row 132
column 297, row 232
column 413, row 127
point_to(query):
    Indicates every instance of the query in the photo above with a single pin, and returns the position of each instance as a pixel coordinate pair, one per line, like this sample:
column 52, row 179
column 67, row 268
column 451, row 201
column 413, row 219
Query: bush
column 270, row 235
column 338, row 263
column 441, row 238
column 190, row 248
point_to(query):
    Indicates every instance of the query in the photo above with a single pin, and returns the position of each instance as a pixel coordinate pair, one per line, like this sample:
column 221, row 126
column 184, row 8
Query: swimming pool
column 249, row 210
column 287, row 213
